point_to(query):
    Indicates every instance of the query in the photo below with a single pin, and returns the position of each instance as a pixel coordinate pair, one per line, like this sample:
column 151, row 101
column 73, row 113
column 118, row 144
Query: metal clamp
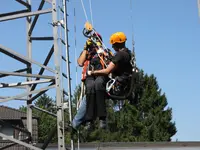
column 58, row 23
column 109, row 84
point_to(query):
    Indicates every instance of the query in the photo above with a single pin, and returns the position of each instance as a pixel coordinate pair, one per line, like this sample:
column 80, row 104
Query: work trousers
column 79, row 117
column 95, row 97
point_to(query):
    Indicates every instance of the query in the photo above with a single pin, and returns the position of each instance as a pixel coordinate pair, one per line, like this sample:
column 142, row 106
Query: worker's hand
column 88, row 44
column 89, row 72
column 99, row 44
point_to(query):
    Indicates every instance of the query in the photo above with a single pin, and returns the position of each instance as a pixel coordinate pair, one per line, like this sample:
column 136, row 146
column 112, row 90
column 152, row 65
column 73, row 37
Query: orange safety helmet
column 118, row 37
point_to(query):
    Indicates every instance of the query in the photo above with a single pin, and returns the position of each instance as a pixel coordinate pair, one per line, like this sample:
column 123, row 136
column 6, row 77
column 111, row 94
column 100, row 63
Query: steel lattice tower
column 31, row 79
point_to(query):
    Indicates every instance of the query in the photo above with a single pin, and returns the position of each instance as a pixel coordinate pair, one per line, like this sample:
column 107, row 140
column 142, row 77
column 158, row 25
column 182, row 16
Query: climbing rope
column 131, row 17
column 86, row 17
column 91, row 12
column 104, row 46
column 75, row 45
column 75, row 57
column 133, row 61
column 84, row 10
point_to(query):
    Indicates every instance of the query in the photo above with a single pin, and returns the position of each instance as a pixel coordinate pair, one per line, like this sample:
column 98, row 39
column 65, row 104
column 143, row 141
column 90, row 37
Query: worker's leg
column 100, row 87
column 90, row 99
column 79, row 117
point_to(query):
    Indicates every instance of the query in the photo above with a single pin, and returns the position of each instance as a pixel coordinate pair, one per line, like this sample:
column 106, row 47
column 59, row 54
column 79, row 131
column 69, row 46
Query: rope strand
column 75, row 55
column 91, row 12
column 86, row 17
column 75, row 46
column 104, row 46
column 131, row 16
column 92, row 20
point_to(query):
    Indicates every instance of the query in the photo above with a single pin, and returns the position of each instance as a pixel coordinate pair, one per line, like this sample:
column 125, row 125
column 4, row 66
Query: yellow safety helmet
column 118, row 37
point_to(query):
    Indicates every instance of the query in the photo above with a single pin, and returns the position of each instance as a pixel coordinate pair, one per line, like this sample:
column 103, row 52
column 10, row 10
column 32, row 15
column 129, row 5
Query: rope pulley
column 87, row 30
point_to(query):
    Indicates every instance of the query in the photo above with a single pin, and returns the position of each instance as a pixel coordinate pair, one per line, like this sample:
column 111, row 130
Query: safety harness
column 103, row 54
column 117, row 90
column 104, row 59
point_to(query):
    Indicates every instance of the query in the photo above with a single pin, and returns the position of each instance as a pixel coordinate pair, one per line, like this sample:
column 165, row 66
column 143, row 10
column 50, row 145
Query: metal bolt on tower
column 33, row 83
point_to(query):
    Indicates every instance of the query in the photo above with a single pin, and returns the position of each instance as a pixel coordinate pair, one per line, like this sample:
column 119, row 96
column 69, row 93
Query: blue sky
column 166, row 35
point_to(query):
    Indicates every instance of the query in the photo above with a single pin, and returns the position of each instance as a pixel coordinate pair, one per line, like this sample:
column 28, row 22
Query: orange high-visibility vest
column 87, row 62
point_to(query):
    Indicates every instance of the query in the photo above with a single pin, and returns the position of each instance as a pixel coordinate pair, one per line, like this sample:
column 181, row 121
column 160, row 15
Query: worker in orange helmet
column 120, row 64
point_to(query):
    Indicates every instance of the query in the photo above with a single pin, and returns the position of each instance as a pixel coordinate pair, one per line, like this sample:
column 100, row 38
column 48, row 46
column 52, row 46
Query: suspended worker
column 120, row 66
column 119, row 61
column 95, row 85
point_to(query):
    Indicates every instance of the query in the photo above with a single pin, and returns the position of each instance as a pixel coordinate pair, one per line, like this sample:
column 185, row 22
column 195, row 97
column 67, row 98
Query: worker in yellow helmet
column 92, row 59
column 120, row 64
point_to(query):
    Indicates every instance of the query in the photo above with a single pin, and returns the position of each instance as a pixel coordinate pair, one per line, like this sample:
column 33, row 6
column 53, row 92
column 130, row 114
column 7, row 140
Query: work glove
column 89, row 72
column 99, row 44
column 88, row 44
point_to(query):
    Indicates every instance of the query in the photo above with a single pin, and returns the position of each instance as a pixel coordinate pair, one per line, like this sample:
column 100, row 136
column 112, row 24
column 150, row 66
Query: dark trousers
column 95, row 98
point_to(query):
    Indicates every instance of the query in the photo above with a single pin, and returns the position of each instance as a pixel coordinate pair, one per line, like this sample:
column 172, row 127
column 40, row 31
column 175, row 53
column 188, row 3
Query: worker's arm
column 113, row 64
column 103, row 72
column 82, row 58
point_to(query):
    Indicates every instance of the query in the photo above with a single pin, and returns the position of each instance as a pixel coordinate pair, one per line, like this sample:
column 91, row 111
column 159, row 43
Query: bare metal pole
column 29, row 71
column 14, row 12
column 60, row 112
column 21, row 58
column 21, row 99
column 26, row 94
column 17, row 16
column 43, row 110
column 23, row 3
column 68, row 66
column 28, row 62
column 19, row 142
column 20, row 70
column 5, row 73
column 5, row 85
